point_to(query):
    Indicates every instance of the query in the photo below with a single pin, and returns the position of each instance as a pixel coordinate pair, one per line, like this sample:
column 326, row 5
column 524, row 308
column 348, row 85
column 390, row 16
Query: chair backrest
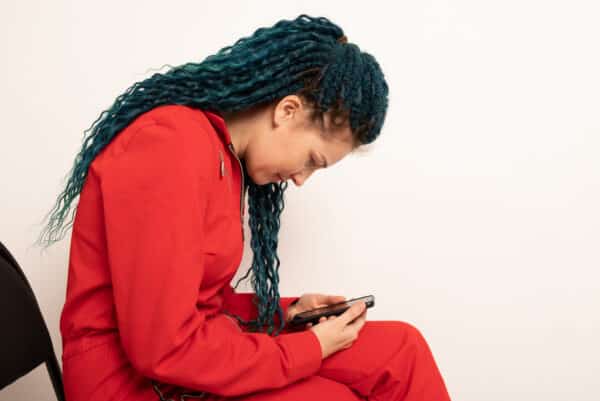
column 24, row 339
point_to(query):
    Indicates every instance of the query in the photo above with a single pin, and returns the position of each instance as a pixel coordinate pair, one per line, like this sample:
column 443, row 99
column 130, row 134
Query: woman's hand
column 339, row 332
column 312, row 301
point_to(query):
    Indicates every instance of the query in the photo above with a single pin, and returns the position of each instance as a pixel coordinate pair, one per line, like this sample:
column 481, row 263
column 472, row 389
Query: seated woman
column 158, row 234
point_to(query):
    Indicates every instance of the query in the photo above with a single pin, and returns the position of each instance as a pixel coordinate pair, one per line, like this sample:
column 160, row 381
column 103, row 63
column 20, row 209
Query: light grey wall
column 474, row 217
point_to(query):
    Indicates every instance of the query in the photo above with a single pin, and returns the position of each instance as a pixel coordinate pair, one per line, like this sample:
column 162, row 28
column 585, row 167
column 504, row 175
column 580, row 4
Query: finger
column 320, row 299
column 358, row 323
column 353, row 312
column 333, row 299
column 326, row 299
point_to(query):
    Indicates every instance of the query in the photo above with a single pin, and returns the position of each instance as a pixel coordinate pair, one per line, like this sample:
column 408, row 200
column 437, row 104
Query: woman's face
column 290, row 146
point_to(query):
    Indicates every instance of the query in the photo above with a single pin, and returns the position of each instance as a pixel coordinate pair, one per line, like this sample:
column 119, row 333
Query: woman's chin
column 273, row 180
column 263, row 179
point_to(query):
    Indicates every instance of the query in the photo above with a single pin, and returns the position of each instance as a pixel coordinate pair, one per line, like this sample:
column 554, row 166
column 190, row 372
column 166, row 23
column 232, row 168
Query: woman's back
column 156, row 240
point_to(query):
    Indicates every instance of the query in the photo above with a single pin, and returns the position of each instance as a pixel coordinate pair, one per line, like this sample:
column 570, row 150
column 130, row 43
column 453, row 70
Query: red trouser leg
column 389, row 361
column 313, row 388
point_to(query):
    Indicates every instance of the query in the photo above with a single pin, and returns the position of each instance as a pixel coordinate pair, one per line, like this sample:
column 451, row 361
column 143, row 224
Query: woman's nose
column 300, row 178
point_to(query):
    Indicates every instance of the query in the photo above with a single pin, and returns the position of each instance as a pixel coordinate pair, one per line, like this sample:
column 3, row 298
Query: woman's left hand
column 311, row 301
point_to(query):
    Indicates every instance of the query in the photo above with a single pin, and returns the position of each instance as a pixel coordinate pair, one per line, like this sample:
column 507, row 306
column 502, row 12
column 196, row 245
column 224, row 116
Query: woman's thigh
column 381, row 345
column 310, row 388
column 390, row 360
column 376, row 344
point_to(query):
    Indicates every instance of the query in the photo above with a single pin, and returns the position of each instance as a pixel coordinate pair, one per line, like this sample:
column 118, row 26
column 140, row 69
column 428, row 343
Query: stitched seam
column 83, row 349
column 146, row 124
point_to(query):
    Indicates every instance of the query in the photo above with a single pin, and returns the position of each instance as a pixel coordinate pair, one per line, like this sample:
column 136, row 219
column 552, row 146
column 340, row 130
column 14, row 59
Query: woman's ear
column 287, row 109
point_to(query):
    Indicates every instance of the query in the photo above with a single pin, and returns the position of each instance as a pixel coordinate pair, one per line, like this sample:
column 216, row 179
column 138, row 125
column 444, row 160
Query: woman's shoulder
column 176, row 115
column 185, row 120
column 177, row 127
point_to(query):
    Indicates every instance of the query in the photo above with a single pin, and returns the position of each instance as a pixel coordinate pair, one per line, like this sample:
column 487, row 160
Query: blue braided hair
column 307, row 56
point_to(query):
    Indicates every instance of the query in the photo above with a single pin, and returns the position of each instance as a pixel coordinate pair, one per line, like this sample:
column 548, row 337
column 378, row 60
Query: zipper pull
column 222, row 164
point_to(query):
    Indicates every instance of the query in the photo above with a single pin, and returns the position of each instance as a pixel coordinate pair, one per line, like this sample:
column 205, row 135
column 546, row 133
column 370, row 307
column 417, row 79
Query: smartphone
column 313, row 315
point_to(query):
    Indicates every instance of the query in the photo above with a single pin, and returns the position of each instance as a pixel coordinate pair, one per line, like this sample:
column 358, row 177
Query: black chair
column 24, row 338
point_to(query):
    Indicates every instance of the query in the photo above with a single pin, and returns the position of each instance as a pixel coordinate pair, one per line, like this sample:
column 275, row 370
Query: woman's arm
column 240, row 303
column 155, row 200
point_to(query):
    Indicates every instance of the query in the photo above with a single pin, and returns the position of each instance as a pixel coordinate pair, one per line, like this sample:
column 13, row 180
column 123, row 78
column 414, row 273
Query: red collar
column 219, row 123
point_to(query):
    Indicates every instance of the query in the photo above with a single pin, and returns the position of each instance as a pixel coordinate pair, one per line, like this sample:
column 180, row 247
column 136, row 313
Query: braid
column 308, row 56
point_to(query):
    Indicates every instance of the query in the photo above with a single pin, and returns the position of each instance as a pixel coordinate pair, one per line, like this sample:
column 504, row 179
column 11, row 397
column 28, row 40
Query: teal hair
column 306, row 56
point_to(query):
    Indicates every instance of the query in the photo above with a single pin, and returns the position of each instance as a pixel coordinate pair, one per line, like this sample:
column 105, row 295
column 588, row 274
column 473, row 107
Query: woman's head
column 288, row 140
column 306, row 57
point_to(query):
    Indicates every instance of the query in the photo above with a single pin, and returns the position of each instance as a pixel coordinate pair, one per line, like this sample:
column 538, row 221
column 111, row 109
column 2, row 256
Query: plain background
column 474, row 217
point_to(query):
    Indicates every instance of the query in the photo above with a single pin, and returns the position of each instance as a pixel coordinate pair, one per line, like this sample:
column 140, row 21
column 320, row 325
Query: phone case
column 313, row 316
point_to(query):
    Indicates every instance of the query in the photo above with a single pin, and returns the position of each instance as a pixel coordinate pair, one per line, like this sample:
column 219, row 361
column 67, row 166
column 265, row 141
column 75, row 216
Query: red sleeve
column 240, row 303
column 155, row 198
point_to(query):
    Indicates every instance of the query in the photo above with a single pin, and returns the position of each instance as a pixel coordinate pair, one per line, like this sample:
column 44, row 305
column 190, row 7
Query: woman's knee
column 413, row 330
column 406, row 332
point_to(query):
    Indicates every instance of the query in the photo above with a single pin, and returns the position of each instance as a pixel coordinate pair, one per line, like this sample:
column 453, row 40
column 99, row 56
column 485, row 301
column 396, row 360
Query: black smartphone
column 313, row 315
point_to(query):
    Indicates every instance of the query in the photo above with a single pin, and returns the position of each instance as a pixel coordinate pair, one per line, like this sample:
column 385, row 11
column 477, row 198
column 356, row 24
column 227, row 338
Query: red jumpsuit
column 156, row 241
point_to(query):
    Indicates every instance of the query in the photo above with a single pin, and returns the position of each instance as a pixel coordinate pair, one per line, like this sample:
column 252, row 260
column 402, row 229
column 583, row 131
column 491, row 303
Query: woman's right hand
column 340, row 332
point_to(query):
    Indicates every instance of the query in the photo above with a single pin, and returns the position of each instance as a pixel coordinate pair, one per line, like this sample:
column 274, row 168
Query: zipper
column 221, row 164
column 230, row 147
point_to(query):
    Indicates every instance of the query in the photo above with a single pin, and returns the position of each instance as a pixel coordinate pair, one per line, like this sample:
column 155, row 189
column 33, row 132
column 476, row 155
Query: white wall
column 474, row 217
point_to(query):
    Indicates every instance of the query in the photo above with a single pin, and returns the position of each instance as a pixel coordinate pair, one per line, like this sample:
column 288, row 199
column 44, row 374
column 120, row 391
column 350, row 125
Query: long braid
column 308, row 56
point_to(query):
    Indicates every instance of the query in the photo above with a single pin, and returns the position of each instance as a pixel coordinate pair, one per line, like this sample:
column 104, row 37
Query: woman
column 158, row 234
